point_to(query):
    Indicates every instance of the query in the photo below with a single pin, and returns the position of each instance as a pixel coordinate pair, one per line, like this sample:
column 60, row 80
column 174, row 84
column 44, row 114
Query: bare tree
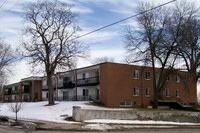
column 15, row 107
column 103, row 59
column 52, row 37
column 189, row 42
column 154, row 42
column 6, row 58
column 3, row 81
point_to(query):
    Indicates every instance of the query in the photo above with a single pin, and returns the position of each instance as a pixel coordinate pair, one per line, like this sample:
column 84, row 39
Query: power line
column 9, row 9
column 106, row 26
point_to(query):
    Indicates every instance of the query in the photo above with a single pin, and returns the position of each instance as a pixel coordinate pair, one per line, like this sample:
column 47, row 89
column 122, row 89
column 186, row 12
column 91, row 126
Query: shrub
column 4, row 118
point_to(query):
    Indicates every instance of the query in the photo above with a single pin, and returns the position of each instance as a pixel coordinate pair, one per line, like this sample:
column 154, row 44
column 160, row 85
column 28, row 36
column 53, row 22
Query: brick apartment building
column 28, row 90
column 128, row 85
column 114, row 85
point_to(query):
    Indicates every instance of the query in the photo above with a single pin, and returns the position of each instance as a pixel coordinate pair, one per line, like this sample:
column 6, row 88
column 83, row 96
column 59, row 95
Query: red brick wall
column 117, row 83
column 37, row 93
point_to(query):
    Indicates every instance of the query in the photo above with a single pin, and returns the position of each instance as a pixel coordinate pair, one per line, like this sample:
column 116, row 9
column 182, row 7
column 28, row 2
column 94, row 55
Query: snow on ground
column 101, row 127
column 137, row 122
column 105, row 124
column 38, row 111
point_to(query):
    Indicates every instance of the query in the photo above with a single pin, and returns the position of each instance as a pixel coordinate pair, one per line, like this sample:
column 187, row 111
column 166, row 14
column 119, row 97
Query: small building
column 27, row 90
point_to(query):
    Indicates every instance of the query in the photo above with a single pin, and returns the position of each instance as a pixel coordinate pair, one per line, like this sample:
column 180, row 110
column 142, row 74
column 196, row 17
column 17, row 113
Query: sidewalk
column 59, row 126
column 105, row 126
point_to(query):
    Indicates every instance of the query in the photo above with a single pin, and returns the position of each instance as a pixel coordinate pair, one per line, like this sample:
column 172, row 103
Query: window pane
column 167, row 93
column 148, row 75
column 148, row 92
column 135, row 74
column 178, row 79
column 135, row 91
column 177, row 93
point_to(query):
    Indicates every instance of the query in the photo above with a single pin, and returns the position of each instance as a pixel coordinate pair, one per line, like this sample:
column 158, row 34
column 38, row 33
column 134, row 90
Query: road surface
column 4, row 129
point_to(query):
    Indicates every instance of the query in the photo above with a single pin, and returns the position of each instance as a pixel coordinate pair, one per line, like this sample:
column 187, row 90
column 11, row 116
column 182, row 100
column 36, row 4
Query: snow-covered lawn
column 38, row 111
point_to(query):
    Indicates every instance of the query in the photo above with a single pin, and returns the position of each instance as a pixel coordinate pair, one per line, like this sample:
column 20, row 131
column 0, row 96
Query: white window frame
column 168, row 94
column 126, row 104
column 148, row 75
column 178, row 93
column 178, row 79
column 135, row 74
column 148, row 92
column 135, row 91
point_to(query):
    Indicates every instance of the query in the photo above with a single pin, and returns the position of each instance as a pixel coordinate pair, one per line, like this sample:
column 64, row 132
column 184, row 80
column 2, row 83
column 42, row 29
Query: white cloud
column 81, row 9
column 98, row 36
column 116, row 53
column 19, row 70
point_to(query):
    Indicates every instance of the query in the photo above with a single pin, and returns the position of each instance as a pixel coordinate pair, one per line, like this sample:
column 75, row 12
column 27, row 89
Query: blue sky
column 93, row 14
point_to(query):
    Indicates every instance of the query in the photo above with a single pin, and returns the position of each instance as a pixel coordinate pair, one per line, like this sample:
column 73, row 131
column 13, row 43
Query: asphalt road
column 4, row 129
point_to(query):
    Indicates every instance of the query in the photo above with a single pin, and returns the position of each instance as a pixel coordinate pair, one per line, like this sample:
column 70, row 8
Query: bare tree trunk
column 155, row 102
column 51, row 89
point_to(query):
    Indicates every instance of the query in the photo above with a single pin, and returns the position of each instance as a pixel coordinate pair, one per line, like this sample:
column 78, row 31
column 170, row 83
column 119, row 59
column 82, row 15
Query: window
column 177, row 93
column 168, row 78
column 126, row 104
column 136, row 74
column 65, row 95
column 16, row 88
column 85, row 75
column 148, row 92
column 26, row 88
column 148, row 75
column 66, row 79
column 167, row 92
column 85, row 92
column 178, row 79
column 47, row 95
column 44, row 82
column 135, row 91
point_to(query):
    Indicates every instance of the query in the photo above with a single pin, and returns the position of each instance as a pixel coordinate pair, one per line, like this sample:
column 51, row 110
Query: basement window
column 126, row 104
